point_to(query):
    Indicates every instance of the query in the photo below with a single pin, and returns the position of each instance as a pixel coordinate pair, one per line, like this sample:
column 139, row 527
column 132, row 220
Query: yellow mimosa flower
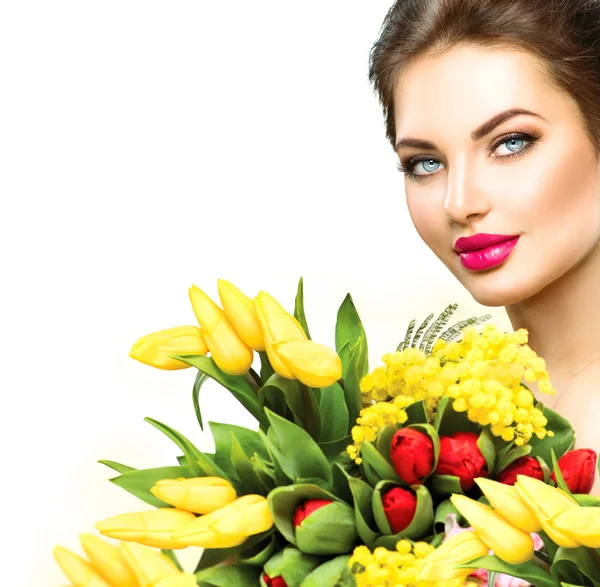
column 152, row 528
column 239, row 308
column 506, row 501
column 460, row 549
column 155, row 349
column 228, row 526
column 546, row 502
column 231, row 354
column 80, row 572
column 582, row 525
column 315, row 365
column 181, row 580
column 278, row 326
column 508, row 542
column 149, row 566
column 200, row 495
column 109, row 561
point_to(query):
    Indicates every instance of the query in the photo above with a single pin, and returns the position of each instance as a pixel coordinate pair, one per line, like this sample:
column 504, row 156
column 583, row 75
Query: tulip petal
column 231, row 354
column 182, row 580
column 582, row 525
column 507, row 502
column 315, row 365
column 148, row 565
column 80, row 572
column 109, row 561
column 546, row 502
column 240, row 311
column 508, row 542
column 152, row 528
column 200, row 495
column 155, row 349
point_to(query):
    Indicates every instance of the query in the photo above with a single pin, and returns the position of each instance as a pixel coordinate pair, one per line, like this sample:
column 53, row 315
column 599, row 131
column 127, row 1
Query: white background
column 147, row 146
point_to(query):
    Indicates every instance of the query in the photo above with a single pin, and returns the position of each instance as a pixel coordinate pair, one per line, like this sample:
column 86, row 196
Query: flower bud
column 546, row 502
column 152, row 528
column 79, row 571
column 460, row 456
column 148, row 565
column 528, row 466
column 277, row 326
column 323, row 527
column 109, row 561
column 399, row 505
column 411, row 452
column 156, row 349
column 315, row 365
column 274, row 582
column 508, row 542
column 231, row 354
column 240, row 311
column 200, row 495
column 578, row 468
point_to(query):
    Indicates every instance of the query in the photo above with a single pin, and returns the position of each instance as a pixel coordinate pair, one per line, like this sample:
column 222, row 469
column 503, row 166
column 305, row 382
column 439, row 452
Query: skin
column 548, row 194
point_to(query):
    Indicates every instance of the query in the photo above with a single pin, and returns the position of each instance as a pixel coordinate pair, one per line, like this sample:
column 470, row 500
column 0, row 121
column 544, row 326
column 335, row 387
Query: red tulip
column 411, row 452
column 528, row 466
column 578, row 467
column 307, row 508
column 399, row 505
column 274, row 582
column 460, row 456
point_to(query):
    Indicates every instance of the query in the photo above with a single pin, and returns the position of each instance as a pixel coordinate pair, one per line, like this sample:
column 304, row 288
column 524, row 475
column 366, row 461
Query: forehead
column 457, row 90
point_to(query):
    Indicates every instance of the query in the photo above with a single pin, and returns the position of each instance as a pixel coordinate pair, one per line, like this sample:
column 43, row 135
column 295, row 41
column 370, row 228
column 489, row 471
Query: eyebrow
column 477, row 134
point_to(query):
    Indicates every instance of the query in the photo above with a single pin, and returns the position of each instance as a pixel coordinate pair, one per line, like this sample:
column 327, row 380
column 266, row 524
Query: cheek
column 429, row 220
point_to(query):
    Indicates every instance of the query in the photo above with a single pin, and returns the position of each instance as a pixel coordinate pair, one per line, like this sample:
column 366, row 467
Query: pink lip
column 481, row 259
column 480, row 241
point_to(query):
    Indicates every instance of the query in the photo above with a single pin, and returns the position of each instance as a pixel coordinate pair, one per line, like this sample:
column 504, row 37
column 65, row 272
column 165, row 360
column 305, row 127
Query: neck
column 563, row 321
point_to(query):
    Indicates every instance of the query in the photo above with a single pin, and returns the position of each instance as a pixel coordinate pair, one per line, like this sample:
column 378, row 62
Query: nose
column 465, row 197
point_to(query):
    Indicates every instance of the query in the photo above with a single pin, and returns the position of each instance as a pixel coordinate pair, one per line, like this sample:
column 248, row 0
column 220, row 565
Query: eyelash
column 406, row 166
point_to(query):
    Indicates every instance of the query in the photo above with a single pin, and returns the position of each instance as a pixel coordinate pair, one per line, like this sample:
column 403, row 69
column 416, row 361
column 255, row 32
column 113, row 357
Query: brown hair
column 563, row 34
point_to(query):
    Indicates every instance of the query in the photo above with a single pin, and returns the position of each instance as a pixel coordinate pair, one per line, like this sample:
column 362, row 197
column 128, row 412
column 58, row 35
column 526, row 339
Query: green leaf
column 416, row 413
column 260, row 553
column 334, row 413
column 363, row 510
column 454, row 331
column 244, row 469
column 528, row 571
column 118, row 467
column 335, row 450
column 441, row 410
column 349, row 328
column 508, row 456
column 436, row 326
column 441, row 512
column 266, row 370
column 200, row 379
column 382, row 468
column 171, row 556
column 563, row 438
column 417, row 336
column 238, row 385
column 357, row 369
column 560, row 480
column 575, row 564
column 139, row 482
column 406, row 342
column 226, row 576
column 192, row 454
column 485, row 443
column 334, row 573
column 443, row 485
column 299, row 308
column 298, row 454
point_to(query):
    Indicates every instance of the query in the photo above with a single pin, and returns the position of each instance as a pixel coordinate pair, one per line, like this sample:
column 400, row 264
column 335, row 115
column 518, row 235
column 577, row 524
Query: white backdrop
column 147, row 146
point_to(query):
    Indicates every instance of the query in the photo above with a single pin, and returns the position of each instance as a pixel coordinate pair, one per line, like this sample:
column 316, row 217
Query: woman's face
column 532, row 177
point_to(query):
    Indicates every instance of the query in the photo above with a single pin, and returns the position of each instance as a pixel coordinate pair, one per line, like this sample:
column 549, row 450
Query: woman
column 493, row 108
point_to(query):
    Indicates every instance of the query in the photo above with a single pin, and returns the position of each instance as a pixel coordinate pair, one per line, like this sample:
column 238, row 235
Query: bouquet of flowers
column 438, row 468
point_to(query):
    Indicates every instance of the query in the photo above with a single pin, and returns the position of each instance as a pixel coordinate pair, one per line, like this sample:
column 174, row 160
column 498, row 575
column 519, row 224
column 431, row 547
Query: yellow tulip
column 508, row 542
column 278, row 326
column 460, row 549
column 152, row 528
column 231, row 354
column 239, row 308
column 546, row 502
column 155, row 349
column 582, row 525
column 79, row 571
column 315, row 365
column 149, row 566
column 200, row 495
column 228, row 526
column 109, row 561
column 507, row 502
column 181, row 580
